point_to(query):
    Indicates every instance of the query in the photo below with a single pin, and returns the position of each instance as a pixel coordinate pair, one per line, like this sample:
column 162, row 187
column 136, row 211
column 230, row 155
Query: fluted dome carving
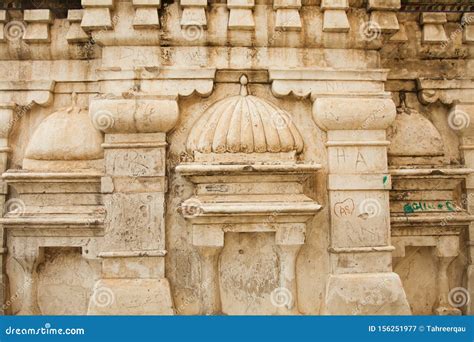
column 244, row 124
column 65, row 139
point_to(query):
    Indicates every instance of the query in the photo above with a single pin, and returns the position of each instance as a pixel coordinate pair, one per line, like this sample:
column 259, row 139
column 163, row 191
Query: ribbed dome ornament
column 244, row 124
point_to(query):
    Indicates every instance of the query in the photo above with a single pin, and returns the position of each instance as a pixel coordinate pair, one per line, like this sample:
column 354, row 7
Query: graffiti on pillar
column 422, row 206
column 344, row 208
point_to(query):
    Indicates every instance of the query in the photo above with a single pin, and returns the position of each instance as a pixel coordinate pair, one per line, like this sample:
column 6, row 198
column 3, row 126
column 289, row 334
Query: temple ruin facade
column 236, row 157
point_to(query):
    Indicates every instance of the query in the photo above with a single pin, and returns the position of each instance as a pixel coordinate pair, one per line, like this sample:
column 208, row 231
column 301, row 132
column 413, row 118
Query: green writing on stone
column 409, row 208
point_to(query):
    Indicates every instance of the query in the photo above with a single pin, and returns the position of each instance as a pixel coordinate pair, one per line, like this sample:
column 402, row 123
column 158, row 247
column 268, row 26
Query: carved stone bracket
column 445, row 91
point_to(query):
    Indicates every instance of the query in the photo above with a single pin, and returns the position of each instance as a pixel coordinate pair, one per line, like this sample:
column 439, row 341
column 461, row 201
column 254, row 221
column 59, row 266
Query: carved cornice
column 24, row 93
column 312, row 82
column 160, row 81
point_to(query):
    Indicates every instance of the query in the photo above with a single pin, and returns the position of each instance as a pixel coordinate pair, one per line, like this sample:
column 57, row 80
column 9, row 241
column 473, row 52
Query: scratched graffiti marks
column 344, row 208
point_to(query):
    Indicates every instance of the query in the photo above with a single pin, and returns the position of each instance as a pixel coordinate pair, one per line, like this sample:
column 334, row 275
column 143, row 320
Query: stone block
column 144, row 267
column 194, row 3
column 335, row 4
column 366, row 294
column 97, row 19
column 240, row 4
column 135, row 222
column 387, row 21
column 147, row 3
column 146, row 17
column 434, row 34
column 131, row 297
column 241, row 19
column 98, row 3
column 286, row 4
column 208, row 236
column 433, row 18
column 288, row 20
column 194, row 16
column 392, row 5
column 335, row 21
column 76, row 34
column 38, row 16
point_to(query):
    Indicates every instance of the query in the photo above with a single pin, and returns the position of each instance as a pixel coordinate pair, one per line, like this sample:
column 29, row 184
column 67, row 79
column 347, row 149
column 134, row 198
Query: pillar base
column 447, row 312
column 131, row 297
column 365, row 294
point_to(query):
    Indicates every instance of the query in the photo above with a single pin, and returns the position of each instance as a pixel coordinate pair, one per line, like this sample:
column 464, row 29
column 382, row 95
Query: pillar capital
column 354, row 112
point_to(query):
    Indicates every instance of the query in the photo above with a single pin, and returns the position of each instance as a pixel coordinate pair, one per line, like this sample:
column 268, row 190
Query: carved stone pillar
column 361, row 279
column 287, row 254
column 464, row 114
column 446, row 251
column 6, row 117
column 29, row 260
column 134, row 189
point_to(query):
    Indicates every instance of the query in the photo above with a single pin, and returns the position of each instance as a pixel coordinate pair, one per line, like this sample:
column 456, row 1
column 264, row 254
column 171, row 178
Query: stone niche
column 428, row 210
column 58, row 207
column 247, row 180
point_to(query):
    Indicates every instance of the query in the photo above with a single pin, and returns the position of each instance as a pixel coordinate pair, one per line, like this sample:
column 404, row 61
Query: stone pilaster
column 134, row 189
column 464, row 114
column 361, row 279
column 6, row 119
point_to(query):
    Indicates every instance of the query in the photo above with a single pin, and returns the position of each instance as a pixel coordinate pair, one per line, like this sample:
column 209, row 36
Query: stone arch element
column 413, row 138
column 65, row 140
column 247, row 180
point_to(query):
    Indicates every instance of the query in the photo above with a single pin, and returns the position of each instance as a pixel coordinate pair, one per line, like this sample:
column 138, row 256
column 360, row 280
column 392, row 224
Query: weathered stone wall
column 119, row 200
